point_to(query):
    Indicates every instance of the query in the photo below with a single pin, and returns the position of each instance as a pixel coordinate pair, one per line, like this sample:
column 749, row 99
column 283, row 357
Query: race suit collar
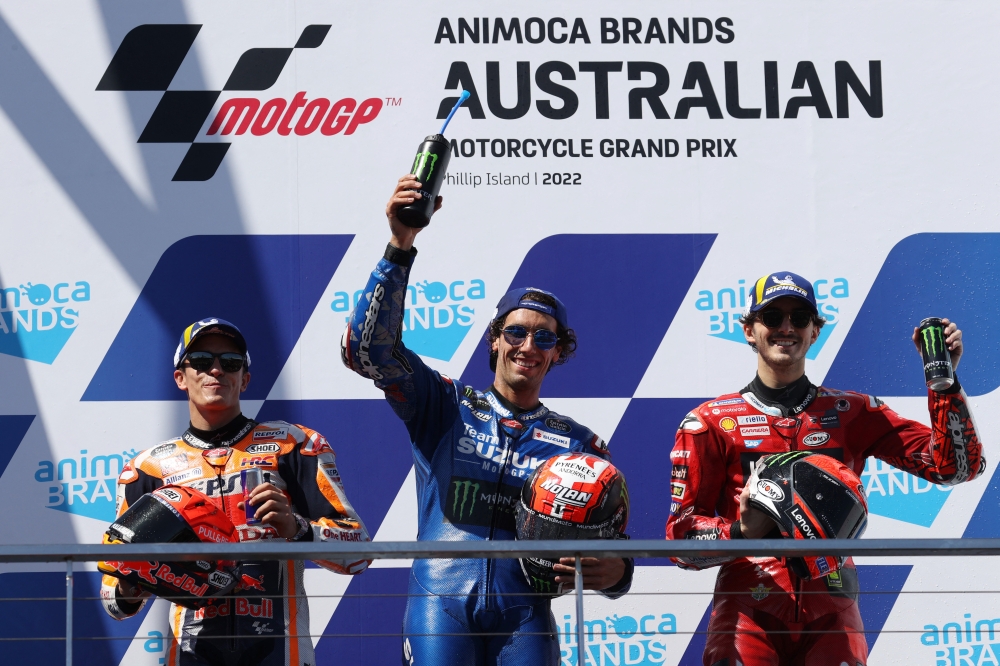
column 227, row 435
column 791, row 399
column 513, row 410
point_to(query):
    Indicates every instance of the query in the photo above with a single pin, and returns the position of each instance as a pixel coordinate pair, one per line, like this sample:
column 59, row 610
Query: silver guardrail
column 410, row 550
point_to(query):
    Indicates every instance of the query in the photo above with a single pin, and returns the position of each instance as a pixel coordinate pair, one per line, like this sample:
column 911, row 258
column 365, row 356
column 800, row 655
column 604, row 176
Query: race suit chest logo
column 816, row 439
column 37, row 320
column 84, row 485
column 475, row 501
column 724, row 306
column 438, row 315
column 484, row 451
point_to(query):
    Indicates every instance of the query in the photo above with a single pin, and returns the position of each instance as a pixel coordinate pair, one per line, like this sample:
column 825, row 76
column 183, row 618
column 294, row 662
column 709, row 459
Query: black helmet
column 570, row 496
column 810, row 496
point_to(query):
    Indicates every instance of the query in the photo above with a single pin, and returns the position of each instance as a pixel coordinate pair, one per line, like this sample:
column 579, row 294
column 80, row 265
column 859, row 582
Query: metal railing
column 651, row 548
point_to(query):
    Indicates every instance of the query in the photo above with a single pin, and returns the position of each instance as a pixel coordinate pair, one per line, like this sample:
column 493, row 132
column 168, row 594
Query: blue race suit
column 472, row 452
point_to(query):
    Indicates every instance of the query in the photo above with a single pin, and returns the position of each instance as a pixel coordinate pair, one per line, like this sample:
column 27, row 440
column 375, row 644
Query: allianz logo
column 613, row 641
column 725, row 307
column 36, row 320
column 895, row 494
column 438, row 315
column 84, row 485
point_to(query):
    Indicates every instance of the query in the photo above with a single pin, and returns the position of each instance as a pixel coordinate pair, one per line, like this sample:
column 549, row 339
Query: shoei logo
column 725, row 306
column 149, row 57
column 36, row 320
column 84, row 485
column 438, row 315
column 895, row 494
column 625, row 639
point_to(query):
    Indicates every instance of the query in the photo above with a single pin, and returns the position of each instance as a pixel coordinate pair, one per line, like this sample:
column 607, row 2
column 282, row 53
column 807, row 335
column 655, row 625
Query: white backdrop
column 105, row 256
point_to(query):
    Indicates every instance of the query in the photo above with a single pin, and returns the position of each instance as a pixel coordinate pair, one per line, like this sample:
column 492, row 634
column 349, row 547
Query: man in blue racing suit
column 472, row 451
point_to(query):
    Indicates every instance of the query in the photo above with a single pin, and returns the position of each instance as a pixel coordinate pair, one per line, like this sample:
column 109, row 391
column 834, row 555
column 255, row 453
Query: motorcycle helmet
column 570, row 496
column 810, row 496
column 175, row 514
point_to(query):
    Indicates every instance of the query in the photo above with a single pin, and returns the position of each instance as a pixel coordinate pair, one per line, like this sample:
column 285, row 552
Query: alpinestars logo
column 150, row 56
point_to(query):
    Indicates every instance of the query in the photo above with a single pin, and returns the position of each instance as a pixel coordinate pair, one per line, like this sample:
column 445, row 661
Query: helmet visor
column 535, row 526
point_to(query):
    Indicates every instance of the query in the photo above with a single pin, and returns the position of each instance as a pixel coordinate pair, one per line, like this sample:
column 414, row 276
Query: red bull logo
column 251, row 583
column 265, row 609
column 144, row 570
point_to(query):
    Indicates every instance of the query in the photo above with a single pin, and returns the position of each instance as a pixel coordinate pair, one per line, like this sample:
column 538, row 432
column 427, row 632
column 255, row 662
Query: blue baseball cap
column 210, row 326
column 515, row 299
column 779, row 285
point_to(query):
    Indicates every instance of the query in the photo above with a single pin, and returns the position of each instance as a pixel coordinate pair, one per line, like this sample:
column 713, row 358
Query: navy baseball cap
column 515, row 299
column 210, row 326
column 779, row 285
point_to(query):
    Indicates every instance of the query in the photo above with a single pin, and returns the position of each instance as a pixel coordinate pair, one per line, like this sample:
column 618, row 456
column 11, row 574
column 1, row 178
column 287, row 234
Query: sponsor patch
column 816, row 439
column 677, row 490
column 219, row 578
column 752, row 443
column 174, row 463
column 785, row 423
column 170, row 494
column 751, row 419
column 163, row 450
column 731, row 401
column 551, row 438
column 771, row 490
column 728, row 424
column 760, row 592
column 755, row 430
column 557, row 425
column 599, row 444
column 186, row 475
column 680, row 454
column 679, row 472
column 270, row 447
column 270, row 434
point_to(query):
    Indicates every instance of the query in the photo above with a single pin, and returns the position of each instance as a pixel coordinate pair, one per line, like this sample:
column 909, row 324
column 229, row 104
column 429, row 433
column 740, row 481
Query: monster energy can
column 429, row 166
column 937, row 359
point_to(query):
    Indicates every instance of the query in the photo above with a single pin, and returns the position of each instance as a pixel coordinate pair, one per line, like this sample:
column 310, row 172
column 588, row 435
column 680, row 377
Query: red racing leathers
column 756, row 598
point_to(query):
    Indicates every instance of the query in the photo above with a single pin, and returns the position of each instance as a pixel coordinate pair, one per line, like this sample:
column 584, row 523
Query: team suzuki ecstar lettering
column 473, row 451
column 816, row 621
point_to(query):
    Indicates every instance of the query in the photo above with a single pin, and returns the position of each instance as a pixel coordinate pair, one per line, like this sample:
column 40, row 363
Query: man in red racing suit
column 762, row 612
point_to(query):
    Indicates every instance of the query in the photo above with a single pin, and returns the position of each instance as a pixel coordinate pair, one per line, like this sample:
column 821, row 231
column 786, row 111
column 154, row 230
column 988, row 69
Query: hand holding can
column 939, row 372
column 250, row 478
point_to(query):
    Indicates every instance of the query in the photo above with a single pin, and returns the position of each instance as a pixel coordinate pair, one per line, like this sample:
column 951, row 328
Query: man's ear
column 180, row 380
column 748, row 333
column 246, row 381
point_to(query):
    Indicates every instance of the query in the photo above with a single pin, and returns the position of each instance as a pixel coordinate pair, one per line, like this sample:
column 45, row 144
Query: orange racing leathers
column 763, row 613
column 249, row 628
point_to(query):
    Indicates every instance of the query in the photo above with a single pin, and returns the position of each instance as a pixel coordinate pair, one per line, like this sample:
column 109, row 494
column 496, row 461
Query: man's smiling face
column 785, row 345
column 213, row 389
column 524, row 366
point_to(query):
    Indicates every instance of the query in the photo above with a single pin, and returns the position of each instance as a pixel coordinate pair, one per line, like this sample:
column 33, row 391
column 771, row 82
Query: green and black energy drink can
column 938, row 370
column 429, row 166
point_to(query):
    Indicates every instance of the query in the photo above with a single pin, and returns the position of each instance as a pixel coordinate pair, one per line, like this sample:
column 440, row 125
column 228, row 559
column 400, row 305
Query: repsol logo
column 36, row 320
column 149, row 57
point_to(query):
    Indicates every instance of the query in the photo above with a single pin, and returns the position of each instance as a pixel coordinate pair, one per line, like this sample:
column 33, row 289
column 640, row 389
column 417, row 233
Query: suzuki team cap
column 514, row 299
column 210, row 326
column 778, row 285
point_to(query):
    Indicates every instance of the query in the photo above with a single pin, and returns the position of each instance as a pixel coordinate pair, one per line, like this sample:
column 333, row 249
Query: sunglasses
column 516, row 335
column 202, row 361
column 772, row 318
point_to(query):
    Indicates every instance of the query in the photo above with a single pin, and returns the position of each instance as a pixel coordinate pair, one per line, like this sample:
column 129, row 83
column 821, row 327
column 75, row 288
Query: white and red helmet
column 570, row 496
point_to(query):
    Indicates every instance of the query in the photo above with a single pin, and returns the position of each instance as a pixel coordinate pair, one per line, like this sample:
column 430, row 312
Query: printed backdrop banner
column 167, row 161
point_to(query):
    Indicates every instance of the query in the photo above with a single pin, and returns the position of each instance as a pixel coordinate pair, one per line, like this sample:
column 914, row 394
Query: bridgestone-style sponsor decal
column 816, row 439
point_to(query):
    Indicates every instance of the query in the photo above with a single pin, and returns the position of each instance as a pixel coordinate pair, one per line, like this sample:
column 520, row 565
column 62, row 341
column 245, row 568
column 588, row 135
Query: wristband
column 303, row 527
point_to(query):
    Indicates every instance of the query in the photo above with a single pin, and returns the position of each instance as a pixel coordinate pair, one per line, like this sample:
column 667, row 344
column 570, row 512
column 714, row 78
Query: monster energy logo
column 933, row 340
column 463, row 488
column 541, row 585
column 420, row 161
column 782, row 458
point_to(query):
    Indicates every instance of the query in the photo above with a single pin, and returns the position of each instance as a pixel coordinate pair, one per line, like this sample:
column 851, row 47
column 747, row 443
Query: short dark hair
column 748, row 318
column 565, row 337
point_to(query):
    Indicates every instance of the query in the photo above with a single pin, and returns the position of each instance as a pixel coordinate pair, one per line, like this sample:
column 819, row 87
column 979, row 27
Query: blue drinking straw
column 465, row 95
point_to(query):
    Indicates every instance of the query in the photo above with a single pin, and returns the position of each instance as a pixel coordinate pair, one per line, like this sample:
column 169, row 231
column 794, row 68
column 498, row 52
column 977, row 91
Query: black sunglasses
column 202, row 361
column 543, row 337
column 772, row 318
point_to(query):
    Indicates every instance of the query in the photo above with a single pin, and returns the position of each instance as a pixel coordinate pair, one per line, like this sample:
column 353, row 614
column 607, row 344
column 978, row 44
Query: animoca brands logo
column 149, row 57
